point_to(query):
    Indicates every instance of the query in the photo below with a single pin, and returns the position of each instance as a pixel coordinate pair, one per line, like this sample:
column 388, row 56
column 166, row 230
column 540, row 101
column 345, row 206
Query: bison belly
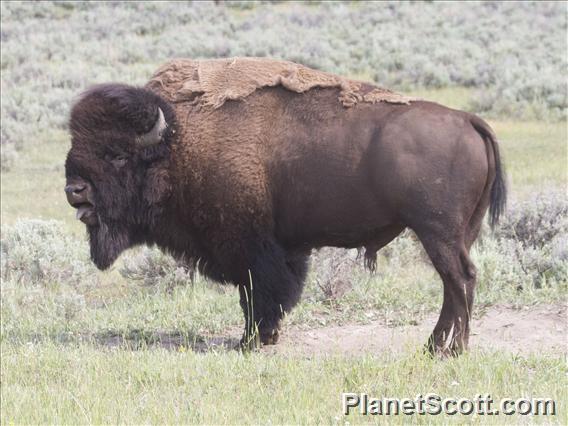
column 324, row 200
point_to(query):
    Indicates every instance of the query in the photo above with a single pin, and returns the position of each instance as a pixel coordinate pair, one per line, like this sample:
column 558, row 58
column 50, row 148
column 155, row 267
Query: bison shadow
column 140, row 339
column 174, row 341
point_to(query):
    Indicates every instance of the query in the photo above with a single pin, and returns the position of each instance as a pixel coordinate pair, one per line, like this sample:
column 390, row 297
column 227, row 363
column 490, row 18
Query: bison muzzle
column 243, row 166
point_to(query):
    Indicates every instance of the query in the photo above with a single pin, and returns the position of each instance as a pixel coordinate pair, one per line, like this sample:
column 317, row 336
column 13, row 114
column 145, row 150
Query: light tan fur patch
column 211, row 82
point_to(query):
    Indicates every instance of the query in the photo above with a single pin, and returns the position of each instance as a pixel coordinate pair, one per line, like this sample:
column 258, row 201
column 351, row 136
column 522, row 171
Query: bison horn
column 154, row 136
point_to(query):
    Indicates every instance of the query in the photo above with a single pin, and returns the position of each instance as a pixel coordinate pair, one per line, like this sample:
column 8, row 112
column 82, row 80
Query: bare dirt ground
column 523, row 331
column 536, row 329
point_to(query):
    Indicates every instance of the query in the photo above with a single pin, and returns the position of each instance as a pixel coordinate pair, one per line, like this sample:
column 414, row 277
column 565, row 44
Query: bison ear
column 156, row 133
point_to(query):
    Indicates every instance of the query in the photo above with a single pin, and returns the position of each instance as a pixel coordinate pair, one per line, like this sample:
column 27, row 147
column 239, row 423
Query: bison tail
column 498, row 196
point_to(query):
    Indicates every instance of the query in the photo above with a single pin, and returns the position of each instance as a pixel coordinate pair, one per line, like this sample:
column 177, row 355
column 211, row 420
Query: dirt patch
column 524, row 331
column 528, row 330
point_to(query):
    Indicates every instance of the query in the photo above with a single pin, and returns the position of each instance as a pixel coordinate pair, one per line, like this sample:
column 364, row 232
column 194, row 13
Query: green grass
column 34, row 187
column 453, row 97
column 115, row 308
column 535, row 153
column 47, row 383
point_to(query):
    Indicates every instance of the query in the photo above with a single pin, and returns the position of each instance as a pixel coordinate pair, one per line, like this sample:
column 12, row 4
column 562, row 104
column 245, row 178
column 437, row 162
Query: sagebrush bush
column 530, row 246
column 333, row 271
column 513, row 53
column 153, row 267
column 45, row 275
column 41, row 252
column 535, row 222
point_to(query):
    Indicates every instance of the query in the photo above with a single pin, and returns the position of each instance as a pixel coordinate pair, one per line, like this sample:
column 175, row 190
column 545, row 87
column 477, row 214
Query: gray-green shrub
column 41, row 252
column 150, row 266
column 531, row 243
column 45, row 275
column 513, row 53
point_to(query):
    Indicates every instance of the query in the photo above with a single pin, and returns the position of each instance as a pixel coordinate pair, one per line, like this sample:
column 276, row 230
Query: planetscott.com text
column 433, row 404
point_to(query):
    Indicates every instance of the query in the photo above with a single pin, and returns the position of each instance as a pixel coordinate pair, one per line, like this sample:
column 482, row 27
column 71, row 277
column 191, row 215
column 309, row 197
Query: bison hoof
column 255, row 341
column 444, row 348
column 270, row 338
column 249, row 343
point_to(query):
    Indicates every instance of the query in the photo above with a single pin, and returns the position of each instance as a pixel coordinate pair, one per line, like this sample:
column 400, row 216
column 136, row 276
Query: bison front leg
column 274, row 287
column 262, row 326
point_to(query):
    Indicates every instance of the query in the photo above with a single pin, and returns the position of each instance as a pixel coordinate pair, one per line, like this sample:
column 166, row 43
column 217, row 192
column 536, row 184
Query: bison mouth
column 80, row 195
column 86, row 214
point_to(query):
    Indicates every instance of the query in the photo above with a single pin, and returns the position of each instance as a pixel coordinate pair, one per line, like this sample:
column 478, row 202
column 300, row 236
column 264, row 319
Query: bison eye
column 119, row 161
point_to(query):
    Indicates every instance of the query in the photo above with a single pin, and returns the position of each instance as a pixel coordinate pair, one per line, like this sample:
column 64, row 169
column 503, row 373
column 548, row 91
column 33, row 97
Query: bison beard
column 243, row 166
column 107, row 242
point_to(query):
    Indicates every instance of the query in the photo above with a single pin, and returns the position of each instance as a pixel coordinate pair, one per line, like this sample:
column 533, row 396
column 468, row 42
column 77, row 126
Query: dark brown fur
column 251, row 187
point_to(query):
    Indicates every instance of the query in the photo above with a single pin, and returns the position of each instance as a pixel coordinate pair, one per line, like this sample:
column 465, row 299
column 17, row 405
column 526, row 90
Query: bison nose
column 75, row 188
column 77, row 193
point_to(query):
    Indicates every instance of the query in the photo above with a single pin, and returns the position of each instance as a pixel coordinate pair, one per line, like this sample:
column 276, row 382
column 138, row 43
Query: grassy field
column 139, row 343
column 82, row 384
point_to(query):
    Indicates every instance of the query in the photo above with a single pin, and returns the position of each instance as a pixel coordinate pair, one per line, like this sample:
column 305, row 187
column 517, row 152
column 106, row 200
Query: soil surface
column 535, row 329
column 524, row 331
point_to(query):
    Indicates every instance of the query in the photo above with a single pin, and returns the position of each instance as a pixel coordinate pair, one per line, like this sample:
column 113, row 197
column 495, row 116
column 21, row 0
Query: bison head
column 117, row 168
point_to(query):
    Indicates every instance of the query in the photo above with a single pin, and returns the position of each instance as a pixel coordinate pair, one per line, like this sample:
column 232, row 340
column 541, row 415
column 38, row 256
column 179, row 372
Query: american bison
column 248, row 164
